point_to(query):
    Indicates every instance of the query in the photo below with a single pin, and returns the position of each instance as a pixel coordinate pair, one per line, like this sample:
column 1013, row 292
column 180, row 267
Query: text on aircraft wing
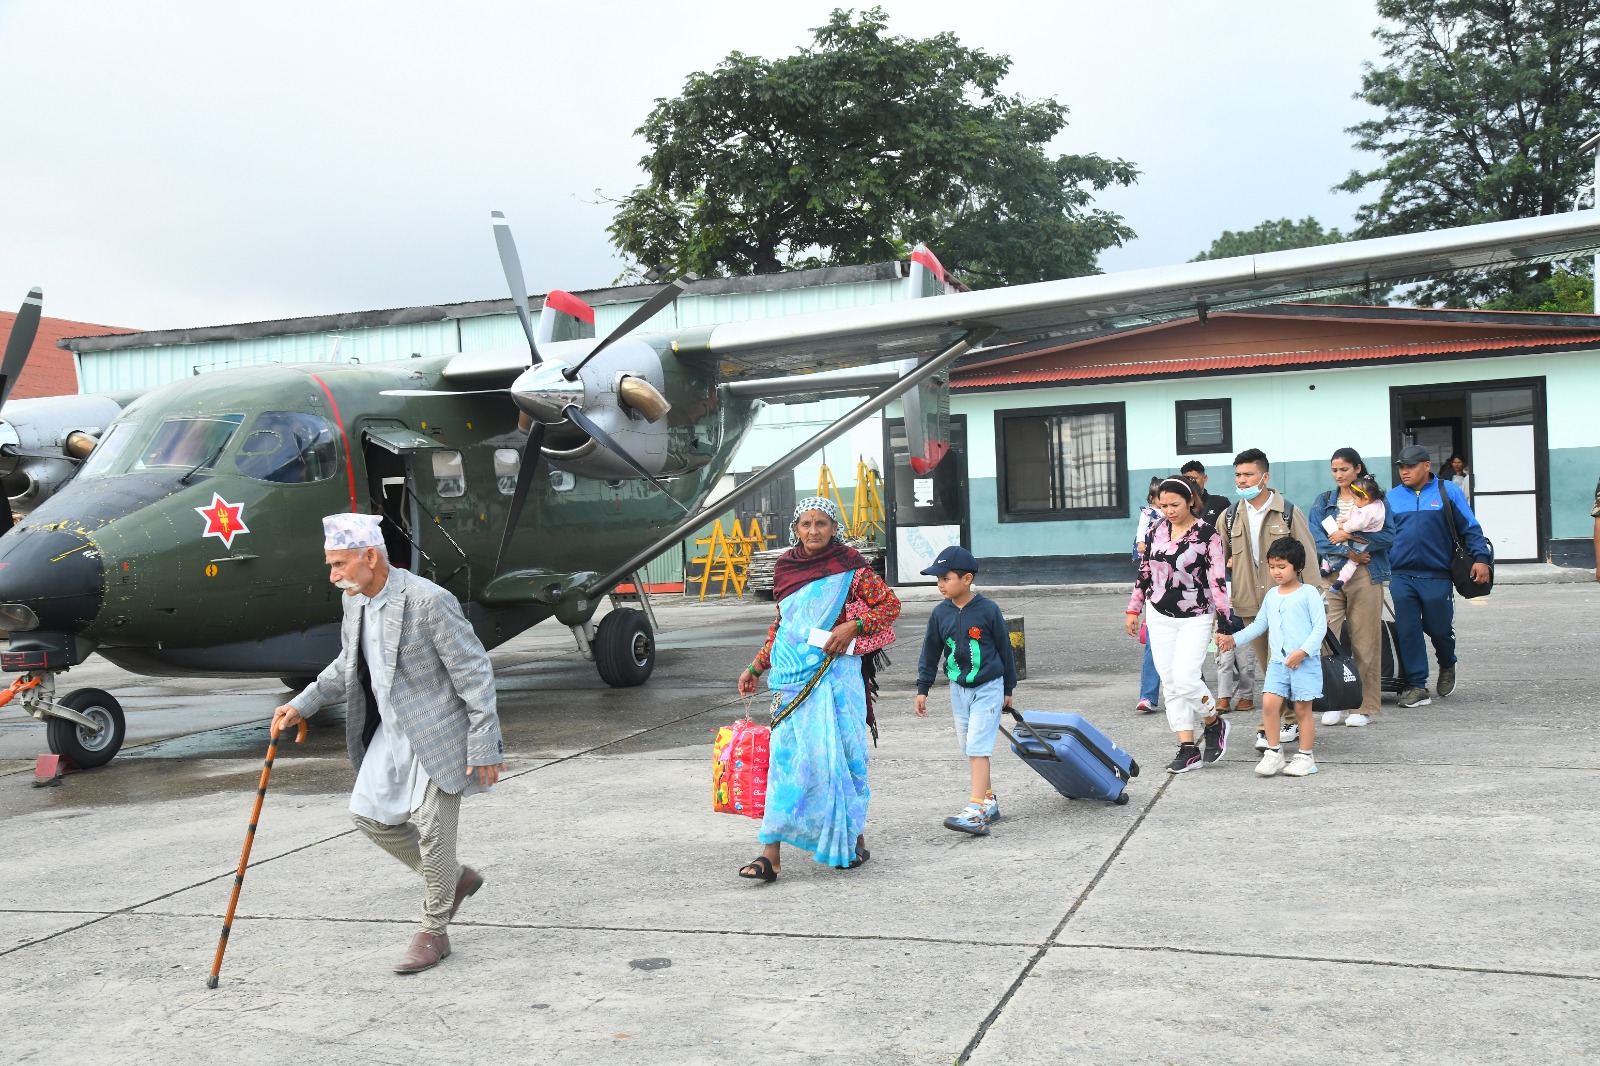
column 1077, row 307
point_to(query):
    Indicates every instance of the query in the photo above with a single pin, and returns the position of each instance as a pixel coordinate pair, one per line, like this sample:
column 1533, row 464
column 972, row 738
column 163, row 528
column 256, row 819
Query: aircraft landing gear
column 624, row 648
column 94, row 736
column 86, row 725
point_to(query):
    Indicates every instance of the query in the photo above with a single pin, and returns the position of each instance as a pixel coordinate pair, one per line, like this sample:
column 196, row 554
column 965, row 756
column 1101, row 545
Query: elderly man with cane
column 420, row 718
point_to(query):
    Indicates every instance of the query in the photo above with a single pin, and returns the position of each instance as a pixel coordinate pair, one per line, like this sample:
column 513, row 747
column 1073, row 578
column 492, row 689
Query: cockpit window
column 189, row 442
column 109, row 450
column 289, row 448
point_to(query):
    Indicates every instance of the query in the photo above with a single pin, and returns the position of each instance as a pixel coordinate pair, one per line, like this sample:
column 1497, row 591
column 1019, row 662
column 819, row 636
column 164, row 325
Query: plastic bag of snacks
column 739, row 758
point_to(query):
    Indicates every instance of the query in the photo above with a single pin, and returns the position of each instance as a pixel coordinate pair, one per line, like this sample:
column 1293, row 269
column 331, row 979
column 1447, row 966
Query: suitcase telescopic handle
column 1083, row 739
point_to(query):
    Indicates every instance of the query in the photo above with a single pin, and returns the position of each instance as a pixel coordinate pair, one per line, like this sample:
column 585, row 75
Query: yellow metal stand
column 866, row 513
column 727, row 557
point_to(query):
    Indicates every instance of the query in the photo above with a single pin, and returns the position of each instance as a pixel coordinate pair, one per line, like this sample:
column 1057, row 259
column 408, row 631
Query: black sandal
column 862, row 855
column 762, row 867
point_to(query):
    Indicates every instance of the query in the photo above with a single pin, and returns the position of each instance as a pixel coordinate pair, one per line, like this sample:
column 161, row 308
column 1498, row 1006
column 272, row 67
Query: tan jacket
column 1251, row 579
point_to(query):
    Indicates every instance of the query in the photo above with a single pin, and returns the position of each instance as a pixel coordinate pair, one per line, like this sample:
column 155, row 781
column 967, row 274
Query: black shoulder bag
column 1461, row 558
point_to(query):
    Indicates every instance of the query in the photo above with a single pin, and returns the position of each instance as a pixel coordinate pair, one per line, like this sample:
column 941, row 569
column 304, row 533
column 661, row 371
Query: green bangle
column 861, row 626
column 752, row 671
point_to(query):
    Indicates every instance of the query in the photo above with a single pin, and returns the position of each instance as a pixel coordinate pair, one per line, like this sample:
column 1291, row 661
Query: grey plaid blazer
column 441, row 688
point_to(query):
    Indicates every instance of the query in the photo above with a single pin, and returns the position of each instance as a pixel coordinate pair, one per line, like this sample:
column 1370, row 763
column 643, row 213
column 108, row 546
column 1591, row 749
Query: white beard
column 347, row 585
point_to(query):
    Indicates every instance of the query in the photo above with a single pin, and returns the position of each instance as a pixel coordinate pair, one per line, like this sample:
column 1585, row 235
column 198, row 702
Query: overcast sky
column 194, row 163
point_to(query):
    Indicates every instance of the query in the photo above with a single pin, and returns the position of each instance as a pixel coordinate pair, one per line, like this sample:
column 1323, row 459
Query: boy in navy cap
column 968, row 635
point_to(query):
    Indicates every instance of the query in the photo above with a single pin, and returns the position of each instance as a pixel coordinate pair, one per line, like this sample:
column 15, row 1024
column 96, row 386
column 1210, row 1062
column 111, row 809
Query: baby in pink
column 1365, row 517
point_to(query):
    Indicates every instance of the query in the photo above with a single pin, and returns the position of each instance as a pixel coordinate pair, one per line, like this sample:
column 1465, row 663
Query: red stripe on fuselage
column 349, row 464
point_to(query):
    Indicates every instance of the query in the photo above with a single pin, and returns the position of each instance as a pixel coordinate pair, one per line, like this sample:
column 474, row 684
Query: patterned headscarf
column 817, row 503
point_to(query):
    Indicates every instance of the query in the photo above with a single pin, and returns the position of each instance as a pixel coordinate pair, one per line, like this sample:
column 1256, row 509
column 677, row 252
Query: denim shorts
column 1304, row 682
column 977, row 713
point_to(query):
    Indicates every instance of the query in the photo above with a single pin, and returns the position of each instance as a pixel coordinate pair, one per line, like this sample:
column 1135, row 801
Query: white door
column 1505, row 471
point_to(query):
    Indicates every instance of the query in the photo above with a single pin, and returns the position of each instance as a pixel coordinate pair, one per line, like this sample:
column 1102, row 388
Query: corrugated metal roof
column 1265, row 360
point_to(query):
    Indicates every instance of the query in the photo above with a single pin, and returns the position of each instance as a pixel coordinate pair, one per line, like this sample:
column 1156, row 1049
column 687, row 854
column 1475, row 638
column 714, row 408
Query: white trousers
column 1178, row 646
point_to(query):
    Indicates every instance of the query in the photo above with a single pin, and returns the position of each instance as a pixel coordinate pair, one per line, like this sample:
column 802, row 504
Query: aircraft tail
column 927, row 407
column 565, row 318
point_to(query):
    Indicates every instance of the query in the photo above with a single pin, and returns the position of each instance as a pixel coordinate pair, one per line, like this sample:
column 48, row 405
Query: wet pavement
column 1427, row 896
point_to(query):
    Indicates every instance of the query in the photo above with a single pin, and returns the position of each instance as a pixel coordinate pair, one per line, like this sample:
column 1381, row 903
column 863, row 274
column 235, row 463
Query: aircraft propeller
column 23, row 330
column 553, row 394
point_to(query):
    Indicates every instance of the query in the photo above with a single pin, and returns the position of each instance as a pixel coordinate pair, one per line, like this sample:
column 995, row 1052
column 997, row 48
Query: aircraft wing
column 1078, row 307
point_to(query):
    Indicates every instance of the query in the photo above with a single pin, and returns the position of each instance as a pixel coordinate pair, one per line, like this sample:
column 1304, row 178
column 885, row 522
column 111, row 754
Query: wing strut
column 973, row 337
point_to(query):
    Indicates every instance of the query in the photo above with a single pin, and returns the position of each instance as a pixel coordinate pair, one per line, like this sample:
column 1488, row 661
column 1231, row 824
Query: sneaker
column 991, row 808
column 1145, row 707
column 1271, row 762
column 1330, row 717
column 1415, row 697
column 1216, row 739
column 1188, row 758
column 1289, row 734
column 970, row 820
column 1302, row 765
column 1357, row 719
column 1261, row 740
column 1447, row 681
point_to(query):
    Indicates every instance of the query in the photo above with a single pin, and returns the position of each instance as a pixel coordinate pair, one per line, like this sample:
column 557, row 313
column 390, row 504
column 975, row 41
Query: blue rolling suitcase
column 1078, row 760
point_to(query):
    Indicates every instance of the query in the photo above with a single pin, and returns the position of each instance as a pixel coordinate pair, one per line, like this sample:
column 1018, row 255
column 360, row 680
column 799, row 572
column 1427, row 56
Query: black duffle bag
column 1461, row 558
column 1341, row 684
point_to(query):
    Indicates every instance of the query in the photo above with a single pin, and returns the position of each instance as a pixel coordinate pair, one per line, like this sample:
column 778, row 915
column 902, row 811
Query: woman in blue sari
column 817, row 790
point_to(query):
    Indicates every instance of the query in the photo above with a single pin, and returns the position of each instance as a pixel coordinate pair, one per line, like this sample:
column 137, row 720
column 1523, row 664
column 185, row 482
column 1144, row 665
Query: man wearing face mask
column 421, row 726
column 1252, row 522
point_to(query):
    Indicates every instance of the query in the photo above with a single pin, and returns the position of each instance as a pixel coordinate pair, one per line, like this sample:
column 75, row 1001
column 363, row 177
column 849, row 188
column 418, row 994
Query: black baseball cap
column 1412, row 454
column 954, row 557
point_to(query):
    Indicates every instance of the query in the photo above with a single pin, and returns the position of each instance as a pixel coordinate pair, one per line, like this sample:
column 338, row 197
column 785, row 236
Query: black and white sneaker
column 1289, row 733
column 1216, row 739
column 1261, row 740
column 1188, row 758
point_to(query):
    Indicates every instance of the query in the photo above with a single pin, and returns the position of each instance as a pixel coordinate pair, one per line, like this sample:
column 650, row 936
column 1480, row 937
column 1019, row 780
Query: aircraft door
column 389, row 449
column 926, row 513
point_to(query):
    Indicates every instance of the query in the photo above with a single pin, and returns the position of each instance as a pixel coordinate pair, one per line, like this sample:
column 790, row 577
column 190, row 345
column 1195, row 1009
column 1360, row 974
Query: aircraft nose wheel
column 624, row 648
column 88, row 748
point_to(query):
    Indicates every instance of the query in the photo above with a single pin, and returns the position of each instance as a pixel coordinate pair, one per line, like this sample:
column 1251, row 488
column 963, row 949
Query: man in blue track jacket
column 1424, row 599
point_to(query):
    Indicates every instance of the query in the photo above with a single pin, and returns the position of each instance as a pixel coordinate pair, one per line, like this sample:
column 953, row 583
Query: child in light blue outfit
column 1293, row 618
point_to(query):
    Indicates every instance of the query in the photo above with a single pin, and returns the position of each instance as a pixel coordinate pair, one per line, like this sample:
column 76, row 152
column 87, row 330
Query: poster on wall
column 916, row 547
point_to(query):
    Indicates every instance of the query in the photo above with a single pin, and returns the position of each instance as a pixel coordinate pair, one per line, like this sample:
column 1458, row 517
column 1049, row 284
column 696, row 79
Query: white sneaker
column 1330, row 717
column 1261, row 740
column 1302, row 765
column 1357, row 719
column 1271, row 762
column 1289, row 734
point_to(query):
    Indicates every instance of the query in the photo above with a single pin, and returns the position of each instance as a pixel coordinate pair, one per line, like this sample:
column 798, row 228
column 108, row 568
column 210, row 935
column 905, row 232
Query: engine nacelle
column 35, row 445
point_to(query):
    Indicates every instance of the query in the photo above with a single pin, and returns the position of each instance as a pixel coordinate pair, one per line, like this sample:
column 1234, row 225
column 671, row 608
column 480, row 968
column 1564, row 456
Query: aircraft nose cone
column 56, row 573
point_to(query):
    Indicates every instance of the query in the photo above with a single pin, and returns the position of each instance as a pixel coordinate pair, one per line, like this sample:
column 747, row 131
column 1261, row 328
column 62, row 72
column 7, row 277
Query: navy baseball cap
column 954, row 557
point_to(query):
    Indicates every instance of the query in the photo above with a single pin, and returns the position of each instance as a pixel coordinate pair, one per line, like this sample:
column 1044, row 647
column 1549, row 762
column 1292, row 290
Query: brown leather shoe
column 468, row 883
column 425, row 952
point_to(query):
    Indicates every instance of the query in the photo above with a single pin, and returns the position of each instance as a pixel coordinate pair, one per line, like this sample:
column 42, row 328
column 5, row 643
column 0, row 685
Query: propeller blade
column 512, row 265
column 585, row 423
column 652, row 307
column 23, row 330
column 527, row 468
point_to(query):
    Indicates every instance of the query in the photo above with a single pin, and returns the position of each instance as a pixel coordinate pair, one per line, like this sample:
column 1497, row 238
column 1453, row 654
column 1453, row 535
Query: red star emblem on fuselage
column 224, row 520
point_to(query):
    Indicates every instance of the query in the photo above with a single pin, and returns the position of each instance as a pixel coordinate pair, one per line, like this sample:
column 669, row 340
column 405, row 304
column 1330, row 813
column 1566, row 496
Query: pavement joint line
column 324, row 840
column 1341, row 960
column 1049, row 941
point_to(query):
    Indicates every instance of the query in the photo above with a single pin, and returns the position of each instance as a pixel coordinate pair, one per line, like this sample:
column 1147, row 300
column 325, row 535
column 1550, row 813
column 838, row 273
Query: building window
column 1062, row 463
column 1205, row 427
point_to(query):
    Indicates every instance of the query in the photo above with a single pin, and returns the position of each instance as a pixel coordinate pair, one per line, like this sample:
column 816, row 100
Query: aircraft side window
column 289, row 448
column 109, row 450
column 449, row 475
column 506, row 462
column 189, row 442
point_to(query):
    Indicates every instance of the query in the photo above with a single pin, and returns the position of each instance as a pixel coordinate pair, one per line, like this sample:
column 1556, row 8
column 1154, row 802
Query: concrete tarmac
column 1429, row 896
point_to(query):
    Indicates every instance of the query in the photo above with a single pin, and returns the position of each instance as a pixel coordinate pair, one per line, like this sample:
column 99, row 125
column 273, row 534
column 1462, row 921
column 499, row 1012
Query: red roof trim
column 1168, row 367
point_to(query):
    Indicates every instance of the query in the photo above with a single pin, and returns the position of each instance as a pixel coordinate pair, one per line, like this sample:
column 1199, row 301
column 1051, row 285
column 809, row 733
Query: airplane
column 184, row 542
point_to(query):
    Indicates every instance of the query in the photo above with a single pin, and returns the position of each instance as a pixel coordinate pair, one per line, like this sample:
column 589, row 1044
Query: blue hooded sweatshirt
column 1422, row 543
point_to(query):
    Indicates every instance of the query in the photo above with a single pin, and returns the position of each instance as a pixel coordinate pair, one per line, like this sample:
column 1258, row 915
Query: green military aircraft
column 527, row 481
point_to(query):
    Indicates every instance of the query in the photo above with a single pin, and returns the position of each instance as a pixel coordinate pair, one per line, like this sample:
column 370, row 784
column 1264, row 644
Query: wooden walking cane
column 244, row 857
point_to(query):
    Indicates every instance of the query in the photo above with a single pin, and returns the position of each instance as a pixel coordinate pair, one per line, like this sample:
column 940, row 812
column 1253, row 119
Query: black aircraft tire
column 624, row 648
column 88, row 750
column 297, row 684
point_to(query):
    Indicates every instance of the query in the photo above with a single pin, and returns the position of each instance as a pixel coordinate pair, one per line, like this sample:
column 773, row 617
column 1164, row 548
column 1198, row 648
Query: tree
column 1485, row 105
column 850, row 151
column 1271, row 236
